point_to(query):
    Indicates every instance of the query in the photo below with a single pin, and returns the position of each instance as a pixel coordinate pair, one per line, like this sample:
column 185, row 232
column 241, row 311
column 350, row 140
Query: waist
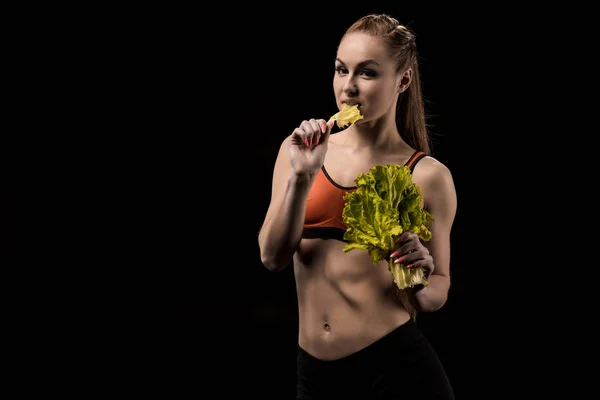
column 336, row 331
column 395, row 339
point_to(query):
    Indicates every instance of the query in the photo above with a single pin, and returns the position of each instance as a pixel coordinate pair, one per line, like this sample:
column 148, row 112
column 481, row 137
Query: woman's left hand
column 412, row 253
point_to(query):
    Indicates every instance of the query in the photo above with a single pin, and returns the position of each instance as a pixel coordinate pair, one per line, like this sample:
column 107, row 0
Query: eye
column 369, row 73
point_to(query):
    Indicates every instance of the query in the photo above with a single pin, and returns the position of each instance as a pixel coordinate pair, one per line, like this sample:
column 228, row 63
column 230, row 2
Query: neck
column 378, row 135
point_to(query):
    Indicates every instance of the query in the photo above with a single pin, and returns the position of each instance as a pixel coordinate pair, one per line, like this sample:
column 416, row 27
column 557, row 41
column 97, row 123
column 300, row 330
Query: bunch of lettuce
column 385, row 204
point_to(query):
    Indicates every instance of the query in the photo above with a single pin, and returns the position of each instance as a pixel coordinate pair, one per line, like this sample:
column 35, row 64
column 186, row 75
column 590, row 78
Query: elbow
column 433, row 296
column 435, row 305
column 267, row 257
column 430, row 305
column 272, row 264
column 275, row 257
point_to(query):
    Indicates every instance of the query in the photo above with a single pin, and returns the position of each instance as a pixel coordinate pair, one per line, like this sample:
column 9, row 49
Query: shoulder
column 431, row 169
column 434, row 178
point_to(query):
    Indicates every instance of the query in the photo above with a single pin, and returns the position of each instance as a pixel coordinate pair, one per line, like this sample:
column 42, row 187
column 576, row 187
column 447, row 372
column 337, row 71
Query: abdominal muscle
column 345, row 302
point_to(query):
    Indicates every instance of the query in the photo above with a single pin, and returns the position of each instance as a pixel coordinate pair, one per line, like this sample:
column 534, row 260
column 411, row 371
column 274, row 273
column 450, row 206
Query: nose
column 349, row 87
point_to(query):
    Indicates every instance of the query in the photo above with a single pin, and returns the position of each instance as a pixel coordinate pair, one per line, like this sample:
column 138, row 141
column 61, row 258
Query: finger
column 325, row 136
column 309, row 131
column 299, row 137
column 408, row 258
column 405, row 236
column 315, row 129
column 407, row 255
column 322, row 130
column 416, row 258
column 425, row 264
column 415, row 264
column 407, row 247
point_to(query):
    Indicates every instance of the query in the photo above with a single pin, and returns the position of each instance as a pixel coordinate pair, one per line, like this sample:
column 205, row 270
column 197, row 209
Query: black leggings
column 400, row 365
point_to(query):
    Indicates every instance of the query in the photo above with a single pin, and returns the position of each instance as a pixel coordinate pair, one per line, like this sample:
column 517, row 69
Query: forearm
column 282, row 232
column 433, row 296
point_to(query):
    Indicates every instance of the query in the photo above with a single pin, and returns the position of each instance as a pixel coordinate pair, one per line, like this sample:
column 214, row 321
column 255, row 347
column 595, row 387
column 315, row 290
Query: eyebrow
column 362, row 63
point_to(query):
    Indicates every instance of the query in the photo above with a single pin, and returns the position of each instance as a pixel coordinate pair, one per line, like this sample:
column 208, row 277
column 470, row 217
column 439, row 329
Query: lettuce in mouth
column 348, row 115
column 385, row 204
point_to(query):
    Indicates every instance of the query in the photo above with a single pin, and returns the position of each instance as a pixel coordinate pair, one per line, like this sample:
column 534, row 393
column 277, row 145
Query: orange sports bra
column 323, row 218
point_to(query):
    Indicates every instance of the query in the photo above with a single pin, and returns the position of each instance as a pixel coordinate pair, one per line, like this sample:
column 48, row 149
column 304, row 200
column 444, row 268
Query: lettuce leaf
column 347, row 116
column 385, row 204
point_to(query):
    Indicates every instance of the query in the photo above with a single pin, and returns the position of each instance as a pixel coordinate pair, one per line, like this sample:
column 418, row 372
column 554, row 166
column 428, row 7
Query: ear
column 404, row 80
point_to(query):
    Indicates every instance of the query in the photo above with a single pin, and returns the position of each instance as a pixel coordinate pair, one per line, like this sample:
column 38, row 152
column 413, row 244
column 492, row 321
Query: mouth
column 351, row 103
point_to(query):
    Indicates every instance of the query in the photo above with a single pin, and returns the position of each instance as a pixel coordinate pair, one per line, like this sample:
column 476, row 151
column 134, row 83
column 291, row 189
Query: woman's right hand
column 308, row 146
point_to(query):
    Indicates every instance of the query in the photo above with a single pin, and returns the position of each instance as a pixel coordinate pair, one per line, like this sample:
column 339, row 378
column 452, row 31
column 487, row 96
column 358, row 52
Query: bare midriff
column 345, row 301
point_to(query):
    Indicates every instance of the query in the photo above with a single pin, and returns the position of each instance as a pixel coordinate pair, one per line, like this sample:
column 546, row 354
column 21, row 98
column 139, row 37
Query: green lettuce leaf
column 385, row 204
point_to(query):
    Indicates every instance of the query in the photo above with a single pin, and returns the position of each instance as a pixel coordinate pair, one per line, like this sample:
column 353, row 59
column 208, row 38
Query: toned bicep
column 439, row 195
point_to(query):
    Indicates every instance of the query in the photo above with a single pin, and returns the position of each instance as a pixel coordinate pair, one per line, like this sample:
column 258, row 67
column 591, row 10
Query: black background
column 207, row 98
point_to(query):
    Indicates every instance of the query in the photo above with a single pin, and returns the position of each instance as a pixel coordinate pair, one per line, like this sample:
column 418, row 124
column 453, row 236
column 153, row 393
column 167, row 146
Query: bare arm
column 439, row 195
column 281, row 231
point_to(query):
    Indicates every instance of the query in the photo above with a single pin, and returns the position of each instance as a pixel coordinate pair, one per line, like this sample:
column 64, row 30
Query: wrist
column 301, row 178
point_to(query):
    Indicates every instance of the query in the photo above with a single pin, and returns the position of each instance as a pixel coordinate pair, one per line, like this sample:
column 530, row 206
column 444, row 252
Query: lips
column 350, row 102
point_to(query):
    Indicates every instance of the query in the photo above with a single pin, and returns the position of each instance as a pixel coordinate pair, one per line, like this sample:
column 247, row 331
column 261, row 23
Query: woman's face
column 365, row 74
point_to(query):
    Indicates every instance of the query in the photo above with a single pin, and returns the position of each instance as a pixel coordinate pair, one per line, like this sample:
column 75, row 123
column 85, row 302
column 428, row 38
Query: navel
column 325, row 323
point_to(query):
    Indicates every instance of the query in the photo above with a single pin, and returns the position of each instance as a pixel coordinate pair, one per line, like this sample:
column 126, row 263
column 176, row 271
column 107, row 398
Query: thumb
column 330, row 125
column 325, row 137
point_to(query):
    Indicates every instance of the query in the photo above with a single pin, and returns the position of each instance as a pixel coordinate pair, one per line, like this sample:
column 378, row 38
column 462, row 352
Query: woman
column 357, row 335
